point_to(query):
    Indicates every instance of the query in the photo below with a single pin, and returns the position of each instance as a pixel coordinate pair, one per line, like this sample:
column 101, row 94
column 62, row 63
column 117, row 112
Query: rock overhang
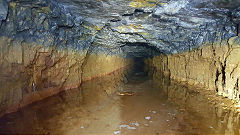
column 122, row 27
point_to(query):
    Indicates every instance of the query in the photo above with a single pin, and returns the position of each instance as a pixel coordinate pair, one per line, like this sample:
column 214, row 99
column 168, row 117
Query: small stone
column 147, row 117
column 136, row 124
column 154, row 112
column 182, row 110
column 116, row 132
column 132, row 128
column 123, row 126
column 82, row 127
column 146, row 125
column 127, row 126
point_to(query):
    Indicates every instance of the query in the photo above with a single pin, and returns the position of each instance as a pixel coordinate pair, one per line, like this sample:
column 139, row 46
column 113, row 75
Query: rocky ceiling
column 134, row 28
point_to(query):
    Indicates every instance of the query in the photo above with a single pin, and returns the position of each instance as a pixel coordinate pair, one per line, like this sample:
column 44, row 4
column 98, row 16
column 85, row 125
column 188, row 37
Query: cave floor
column 94, row 111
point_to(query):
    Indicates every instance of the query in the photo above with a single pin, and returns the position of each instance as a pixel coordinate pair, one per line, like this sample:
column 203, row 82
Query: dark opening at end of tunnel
column 139, row 51
column 138, row 68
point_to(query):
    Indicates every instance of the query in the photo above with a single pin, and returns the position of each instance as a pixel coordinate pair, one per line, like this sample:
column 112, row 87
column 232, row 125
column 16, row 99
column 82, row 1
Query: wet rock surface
column 213, row 67
column 30, row 72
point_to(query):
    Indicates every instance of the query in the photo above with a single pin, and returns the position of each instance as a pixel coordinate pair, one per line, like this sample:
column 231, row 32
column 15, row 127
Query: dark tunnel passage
column 139, row 52
column 139, row 65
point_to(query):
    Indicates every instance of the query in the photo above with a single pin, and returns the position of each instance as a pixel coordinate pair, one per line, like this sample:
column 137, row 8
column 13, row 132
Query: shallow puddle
column 96, row 108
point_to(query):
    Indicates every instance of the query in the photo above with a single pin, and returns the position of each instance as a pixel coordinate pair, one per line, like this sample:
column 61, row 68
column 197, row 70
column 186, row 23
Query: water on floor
column 96, row 109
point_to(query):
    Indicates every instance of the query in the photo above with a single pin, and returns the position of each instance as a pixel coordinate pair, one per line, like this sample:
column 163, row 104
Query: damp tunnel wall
column 214, row 67
column 31, row 72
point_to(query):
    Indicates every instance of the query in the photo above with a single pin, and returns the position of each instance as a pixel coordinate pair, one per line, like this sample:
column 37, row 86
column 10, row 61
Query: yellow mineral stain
column 13, row 4
column 98, row 28
column 132, row 27
column 94, row 28
column 46, row 9
column 162, row 3
column 143, row 3
column 144, row 33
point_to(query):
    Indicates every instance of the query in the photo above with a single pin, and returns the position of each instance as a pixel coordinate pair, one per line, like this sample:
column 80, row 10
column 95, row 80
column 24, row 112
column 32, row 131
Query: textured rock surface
column 114, row 26
column 30, row 72
column 213, row 66
column 170, row 26
column 3, row 10
column 76, row 108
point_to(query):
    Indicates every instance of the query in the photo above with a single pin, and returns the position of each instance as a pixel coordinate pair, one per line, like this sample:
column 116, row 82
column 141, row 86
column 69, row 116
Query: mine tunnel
column 109, row 67
column 139, row 52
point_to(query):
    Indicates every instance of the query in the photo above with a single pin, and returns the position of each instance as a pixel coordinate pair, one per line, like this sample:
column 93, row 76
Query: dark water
column 157, row 107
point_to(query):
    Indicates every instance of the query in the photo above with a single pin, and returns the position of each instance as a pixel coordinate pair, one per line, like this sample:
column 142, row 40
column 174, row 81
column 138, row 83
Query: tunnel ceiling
column 135, row 28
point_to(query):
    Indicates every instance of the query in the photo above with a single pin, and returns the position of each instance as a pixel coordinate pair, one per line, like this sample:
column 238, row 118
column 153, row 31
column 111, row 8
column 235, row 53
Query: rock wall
column 214, row 66
column 31, row 72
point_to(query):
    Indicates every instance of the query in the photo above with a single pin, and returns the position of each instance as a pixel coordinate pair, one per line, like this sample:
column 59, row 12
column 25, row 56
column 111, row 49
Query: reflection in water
column 96, row 108
column 213, row 112
column 70, row 112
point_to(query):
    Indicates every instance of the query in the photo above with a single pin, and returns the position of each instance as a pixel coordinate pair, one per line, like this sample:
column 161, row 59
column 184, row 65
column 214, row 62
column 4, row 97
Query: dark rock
column 3, row 10
column 121, row 27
